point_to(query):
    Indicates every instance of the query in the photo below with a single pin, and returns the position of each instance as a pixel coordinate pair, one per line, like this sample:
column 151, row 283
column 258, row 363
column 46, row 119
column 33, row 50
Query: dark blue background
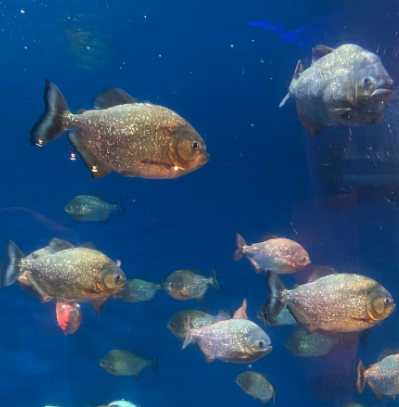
column 202, row 59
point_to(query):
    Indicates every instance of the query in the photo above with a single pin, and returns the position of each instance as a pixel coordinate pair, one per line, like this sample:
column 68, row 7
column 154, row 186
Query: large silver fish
column 344, row 86
column 133, row 139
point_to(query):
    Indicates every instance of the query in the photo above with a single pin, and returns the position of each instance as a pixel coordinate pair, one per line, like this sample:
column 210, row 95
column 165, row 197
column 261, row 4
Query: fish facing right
column 87, row 208
column 382, row 377
column 281, row 255
column 337, row 302
column 343, row 86
column 125, row 363
column 132, row 139
column 257, row 386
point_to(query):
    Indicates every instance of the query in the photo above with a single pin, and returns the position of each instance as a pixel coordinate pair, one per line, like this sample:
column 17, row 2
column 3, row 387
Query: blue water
column 224, row 66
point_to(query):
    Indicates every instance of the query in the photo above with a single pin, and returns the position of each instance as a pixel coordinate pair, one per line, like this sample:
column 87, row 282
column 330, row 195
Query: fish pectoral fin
column 319, row 51
column 99, row 304
column 57, row 245
column 339, row 111
column 155, row 162
column 377, row 393
column 96, row 167
column 112, row 97
column 44, row 297
column 297, row 314
column 311, row 329
column 255, row 264
column 313, row 128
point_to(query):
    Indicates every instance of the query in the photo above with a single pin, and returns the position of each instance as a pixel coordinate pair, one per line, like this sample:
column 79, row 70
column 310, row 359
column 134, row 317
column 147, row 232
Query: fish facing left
column 234, row 340
column 257, row 386
column 86, row 208
column 132, row 139
column 125, row 363
column 66, row 274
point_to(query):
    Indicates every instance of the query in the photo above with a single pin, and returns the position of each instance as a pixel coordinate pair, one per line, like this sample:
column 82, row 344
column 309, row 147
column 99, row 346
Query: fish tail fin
column 52, row 122
column 275, row 302
column 214, row 280
column 360, row 379
column 189, row 336
column 119, row 207
column 9, row 269
column 240, row 243
column 154, row 364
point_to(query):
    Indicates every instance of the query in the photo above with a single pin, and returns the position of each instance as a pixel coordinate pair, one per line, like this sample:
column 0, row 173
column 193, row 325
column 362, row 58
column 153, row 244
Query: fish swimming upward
column 132, row 139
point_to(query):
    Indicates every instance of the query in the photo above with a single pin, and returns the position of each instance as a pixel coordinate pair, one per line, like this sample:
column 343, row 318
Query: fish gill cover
column 102, row 252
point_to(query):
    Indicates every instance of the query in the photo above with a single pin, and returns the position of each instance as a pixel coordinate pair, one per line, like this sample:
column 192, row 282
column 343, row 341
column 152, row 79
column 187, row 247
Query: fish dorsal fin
column 81, row 110
column 88, row 245
column 319, row 51
column 323, row 271
column 56, row 245
column 241, row 313
column 298, row 70
column 264, row 238
column 221, row 316
column 112, row 97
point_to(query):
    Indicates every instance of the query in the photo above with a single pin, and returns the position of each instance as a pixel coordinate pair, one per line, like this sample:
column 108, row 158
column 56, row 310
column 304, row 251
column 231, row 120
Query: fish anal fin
column 112, row 97
column 313, row 128
column 99, row 303
column 311, row 329
column 319, row 51
column 377, row 118
column 255, row 264
column 96, row 167
column 297, row 314
column 377, row 393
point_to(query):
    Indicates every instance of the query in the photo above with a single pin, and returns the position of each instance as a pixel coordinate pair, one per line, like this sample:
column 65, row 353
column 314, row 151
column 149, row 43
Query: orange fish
column 69, row 317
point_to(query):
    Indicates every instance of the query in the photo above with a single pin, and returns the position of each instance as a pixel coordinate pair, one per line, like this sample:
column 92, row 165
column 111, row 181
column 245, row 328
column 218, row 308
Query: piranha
column 337, row 302
column 281, row 255
column 343, row 86
column 88, row 208
column 257, row 386
column 382, row 377
column 138, row 291
column 125, row 363
column 235, row 340
column 189, row 284
column 315, row 344
column 68, row 275
column 69, row 317
column 132, row 139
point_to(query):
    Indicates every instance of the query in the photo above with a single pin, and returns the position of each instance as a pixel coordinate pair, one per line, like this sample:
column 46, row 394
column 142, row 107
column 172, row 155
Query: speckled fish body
column 337, row 302
column 382, row 377
column 302, row 344
column 256, row 385
column 133, row 139
column 189, row 284
column 345, row 86
column 138, row 291
column 234, row 340
column 178, row 324
column 77, row 274
column 86, row 208
column 125, row 363
column 281, row 255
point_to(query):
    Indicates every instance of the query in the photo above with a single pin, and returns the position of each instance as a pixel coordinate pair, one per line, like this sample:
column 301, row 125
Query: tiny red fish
column 69, row 317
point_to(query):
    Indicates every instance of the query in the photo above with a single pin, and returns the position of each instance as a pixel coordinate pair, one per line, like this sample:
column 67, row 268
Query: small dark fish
column 69, row 317
column 138, row 291
column 189, row 284
column 283, row 256
column 178, row 324
column 234, row 340
column 284, row 317
column 88, row 208
column 382, row 377
column 125, row 363
column 257, row 386
column 344, row 86
column 133, row 139
column 66, row 274
column 337, row 302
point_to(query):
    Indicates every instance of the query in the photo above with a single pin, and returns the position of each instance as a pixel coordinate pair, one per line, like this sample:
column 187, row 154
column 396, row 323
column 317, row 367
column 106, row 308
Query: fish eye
column 387, row 301
column 117, row 277
column 366, row 81
column 304, row 259
column 195, row 145
column 261, row 344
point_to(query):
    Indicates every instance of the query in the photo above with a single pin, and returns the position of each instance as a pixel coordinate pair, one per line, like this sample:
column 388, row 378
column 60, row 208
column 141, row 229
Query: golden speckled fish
column 178, row 324
column 382, row 377
column 234, row 340
column 257, row 386
column 125, row 363
column 344, row 86
column 337, row 302
column 132, row 139
column 74, row 274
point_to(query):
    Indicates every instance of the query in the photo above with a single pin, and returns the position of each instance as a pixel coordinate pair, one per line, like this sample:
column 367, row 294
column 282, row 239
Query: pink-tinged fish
column 281, row 255
column 69, row 317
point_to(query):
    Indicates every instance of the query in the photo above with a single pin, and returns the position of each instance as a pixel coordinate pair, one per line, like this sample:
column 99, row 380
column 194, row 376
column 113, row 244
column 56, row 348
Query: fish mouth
column 203, row 159
column 381, row 92
column 268, row 349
